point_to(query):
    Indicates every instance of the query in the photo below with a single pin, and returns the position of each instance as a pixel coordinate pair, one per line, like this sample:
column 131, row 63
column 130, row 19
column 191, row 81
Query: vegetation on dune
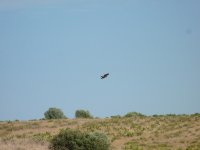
column 76, row 140
column 83, row 114
column 176, row 132
column 42, row 137
column 115, row 116
column 54, row 113
column 132, row 114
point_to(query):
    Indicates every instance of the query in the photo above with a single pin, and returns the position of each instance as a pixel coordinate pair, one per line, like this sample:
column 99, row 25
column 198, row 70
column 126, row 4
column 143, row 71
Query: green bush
column 132, row 114
column 76, row 140
column 97, row 141
column 116, row 116
column 172, row 115
column 54, row 113
column 83, row 114
column 196, row 114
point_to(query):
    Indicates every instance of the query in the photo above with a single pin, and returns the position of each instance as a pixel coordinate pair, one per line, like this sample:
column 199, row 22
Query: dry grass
column 22, row 144
column 160, row 132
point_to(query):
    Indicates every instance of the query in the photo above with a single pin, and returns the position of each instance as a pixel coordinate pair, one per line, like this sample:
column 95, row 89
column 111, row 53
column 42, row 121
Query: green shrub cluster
column 116, row 116
column 83, row 114
column 69, row 139
column 132, row 114
column 196, row 114
column 54, row 113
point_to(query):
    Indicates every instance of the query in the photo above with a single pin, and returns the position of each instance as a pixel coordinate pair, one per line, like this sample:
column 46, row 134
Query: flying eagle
column 104, row 76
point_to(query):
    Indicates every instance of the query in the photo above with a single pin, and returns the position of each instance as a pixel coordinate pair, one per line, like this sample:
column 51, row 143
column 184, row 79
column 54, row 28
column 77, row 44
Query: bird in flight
column 104, row 76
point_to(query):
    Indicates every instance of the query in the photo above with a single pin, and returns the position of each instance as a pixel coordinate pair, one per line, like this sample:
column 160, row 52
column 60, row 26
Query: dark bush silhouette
column 69, row 139
column 54, row 113
column 83, row 114
column 116, row 116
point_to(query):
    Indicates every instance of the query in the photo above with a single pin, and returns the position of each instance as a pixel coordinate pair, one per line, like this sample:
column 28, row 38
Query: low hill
column 176, row 132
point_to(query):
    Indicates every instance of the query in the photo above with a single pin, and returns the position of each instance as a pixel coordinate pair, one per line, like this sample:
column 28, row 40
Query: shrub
column 83, row 114
column 132, row 114
column 172, row 115
column 67, row 140
column 116, row 116
column 97, row 141
column 54, row 113
column 76, row 140
column 196, row 114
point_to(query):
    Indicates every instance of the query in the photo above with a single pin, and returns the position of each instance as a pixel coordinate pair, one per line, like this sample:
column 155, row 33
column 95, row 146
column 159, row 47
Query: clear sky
column 52, row 53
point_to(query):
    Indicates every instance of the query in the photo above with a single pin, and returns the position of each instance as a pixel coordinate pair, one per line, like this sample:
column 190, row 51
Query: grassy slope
column 161, row 132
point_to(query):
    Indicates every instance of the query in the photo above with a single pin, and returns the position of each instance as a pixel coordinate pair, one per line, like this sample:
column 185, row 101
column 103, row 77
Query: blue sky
column 53, row 52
